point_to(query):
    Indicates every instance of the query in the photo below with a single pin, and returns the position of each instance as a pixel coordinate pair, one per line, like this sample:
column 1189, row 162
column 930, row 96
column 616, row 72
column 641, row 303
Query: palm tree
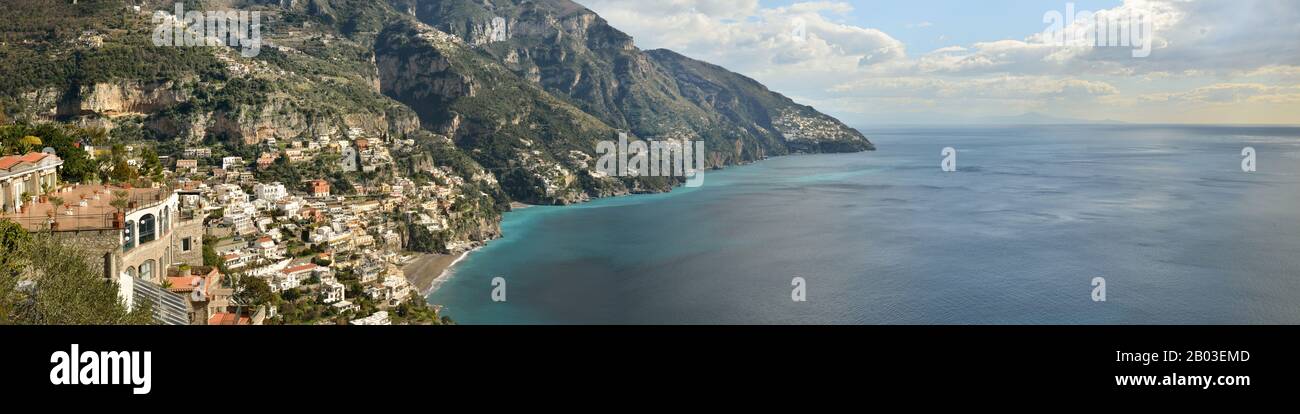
column 57, row 202
column 120, row 200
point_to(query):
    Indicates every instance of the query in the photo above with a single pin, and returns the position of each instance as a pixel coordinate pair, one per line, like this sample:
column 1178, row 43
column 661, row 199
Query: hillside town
column 206, row 243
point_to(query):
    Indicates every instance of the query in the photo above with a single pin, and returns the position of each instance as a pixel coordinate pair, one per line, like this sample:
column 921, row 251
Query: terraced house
column 24, row 177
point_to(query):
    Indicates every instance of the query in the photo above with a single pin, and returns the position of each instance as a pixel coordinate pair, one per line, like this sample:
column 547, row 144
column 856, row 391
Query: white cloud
column 740, row 35
column 1230, row 94
column 1204, row 53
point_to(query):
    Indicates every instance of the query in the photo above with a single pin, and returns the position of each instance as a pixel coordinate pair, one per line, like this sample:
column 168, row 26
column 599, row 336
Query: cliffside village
column 296, row 237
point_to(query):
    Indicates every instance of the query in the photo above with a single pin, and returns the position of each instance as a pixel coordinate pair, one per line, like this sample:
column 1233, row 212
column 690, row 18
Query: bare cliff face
column 536, row 144
column 573, row 53
column 172, row 108
column 127, row 97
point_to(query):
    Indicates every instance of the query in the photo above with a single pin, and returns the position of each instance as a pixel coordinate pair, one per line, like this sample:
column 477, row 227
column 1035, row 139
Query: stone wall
column 192, row 229
column 103, row 250
column 100, row 247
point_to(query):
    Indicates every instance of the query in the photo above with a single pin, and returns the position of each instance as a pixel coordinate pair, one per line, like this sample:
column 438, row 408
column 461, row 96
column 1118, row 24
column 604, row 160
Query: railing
column 65, row 222
column 149, row 199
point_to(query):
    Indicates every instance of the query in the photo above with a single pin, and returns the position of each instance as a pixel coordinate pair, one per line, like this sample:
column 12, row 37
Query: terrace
column 85, row 207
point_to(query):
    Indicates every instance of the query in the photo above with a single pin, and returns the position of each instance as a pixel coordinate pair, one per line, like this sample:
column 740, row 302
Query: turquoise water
column 1164, row 214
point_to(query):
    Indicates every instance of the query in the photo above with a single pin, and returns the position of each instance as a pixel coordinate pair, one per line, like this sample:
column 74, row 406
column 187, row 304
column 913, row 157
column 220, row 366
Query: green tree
column 63, row 287
column 210, row 257
column 13, row 245
column 152, row 167
column 121, row 199
column 254, row 291
column 123, row 172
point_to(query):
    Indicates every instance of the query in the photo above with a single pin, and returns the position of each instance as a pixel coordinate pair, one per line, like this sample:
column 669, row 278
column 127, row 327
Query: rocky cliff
column 575, row 54
column 524, row 89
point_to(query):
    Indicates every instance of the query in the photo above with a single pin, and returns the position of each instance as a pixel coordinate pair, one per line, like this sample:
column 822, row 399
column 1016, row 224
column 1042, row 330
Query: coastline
column 430, row 270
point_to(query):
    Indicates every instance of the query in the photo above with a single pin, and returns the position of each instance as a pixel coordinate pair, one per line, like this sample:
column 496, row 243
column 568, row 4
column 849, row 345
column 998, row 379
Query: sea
column 1057, row 224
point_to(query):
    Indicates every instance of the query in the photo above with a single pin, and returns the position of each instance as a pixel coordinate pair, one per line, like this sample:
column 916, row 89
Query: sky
column 927, row 61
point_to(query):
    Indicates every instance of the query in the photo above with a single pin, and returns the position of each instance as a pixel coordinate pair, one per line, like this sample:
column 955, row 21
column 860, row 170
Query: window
column 148, row 226
column 146, row 270
column 186, row 244
column 130, row 271
column 128, row 235
column 165, row 224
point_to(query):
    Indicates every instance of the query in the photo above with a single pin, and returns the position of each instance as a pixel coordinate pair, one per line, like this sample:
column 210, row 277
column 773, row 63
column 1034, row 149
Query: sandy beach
column 427, row 269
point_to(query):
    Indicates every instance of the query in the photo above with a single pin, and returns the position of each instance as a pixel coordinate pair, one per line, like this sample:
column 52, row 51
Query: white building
column 378, row 318
column 349, row 160
column 290, row 206
column 332, row 291
column 396, row 289
column 291, row 278
column 230, row 194
column 27, row 174
column 240, row 221
column 272, row 192
column 232, row 163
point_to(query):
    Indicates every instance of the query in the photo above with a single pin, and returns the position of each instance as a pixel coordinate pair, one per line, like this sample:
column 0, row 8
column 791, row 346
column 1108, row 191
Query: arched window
column 130, row 271
column 128, row 235
column 148, row 227
column 147, row 270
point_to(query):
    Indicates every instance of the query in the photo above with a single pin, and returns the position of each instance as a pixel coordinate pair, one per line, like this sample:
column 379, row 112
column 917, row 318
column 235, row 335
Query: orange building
column 319, row 188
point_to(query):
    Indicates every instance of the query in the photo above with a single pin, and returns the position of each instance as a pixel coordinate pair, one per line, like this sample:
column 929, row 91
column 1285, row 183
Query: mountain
column 510, row 95
column 540, row 147
column 576, row 55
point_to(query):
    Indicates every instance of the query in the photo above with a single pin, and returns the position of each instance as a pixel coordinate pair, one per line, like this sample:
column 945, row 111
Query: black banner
column 1214, row 361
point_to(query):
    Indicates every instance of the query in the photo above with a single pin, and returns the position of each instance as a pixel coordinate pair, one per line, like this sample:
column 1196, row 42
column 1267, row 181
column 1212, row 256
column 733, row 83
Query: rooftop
column 97, row 214
column 223, row 318
column 10, row 161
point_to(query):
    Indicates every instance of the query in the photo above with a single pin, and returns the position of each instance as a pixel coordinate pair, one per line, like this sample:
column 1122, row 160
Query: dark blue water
column 1164, row 214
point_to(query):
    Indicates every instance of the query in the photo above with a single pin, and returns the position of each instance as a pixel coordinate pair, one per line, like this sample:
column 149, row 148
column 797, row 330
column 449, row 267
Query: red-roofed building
column 32, row 174
column 293, row 276
column 202, row 289
column 224, row 318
